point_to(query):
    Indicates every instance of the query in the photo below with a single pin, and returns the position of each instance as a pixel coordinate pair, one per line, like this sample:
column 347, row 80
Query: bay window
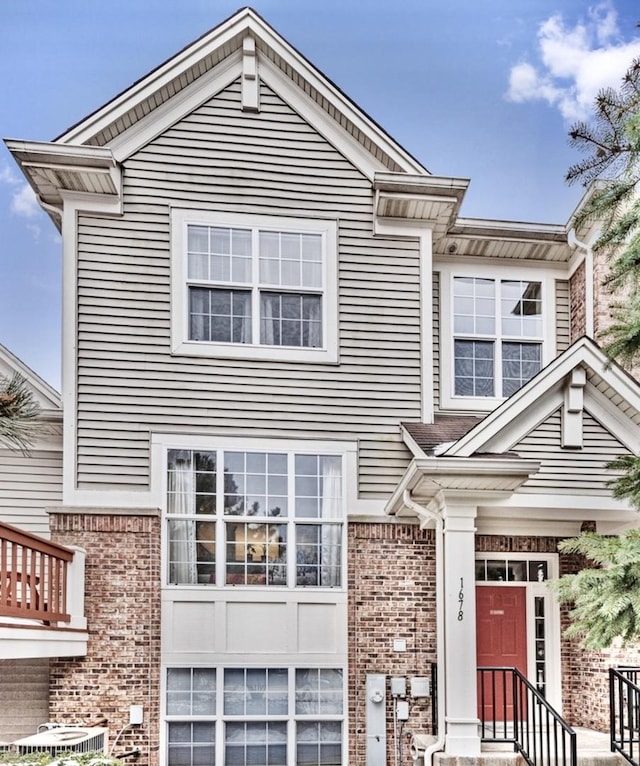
column 254, row 518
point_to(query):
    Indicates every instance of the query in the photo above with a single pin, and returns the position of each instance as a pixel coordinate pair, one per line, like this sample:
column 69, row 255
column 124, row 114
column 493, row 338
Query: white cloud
column 24, row 202
column 575, row 62
column 23, row 199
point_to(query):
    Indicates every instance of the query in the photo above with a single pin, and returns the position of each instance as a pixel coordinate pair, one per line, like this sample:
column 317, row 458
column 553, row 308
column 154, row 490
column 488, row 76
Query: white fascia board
column 550, row 505
column 25, row 642
column 432, row 184
column 167, row 114
column 316, row 116
column 486, row 470
column 53, row 153
column 584, row 351
column 334, row 96
column 488, row 228
column 244, row 22
column 611, row 418
column 159, row 77
column 412, row 444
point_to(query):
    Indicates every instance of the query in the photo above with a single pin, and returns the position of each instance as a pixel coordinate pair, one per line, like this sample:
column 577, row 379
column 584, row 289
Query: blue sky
column 484, row 89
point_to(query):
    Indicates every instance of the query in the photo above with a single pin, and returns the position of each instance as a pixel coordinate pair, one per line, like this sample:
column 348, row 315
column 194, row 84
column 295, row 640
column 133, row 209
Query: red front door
column 501, row 639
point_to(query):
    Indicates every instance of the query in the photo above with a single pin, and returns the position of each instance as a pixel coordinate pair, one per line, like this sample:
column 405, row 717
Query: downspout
column 421, row 510
column 587, row 249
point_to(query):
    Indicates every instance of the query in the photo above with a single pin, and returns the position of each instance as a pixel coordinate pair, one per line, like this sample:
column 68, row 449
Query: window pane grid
column 290, row 259
column 221, row 316
column 261, row 710
column 234, row 258
column 486, row 361
column 217, row 254
column 290, row 319
column 271, row 502
column 190, row 744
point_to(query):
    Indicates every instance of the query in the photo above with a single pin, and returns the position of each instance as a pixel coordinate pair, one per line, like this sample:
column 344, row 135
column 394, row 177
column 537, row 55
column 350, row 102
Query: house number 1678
column 461, row 601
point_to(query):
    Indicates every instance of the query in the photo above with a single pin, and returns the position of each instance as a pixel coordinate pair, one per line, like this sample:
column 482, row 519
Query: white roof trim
column 246, row 21
column 162, row 117
column 529, row 402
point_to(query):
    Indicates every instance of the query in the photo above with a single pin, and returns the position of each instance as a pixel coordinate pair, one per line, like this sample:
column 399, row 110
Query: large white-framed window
column 254, row 716
column 258, row 514
column 254, row 287
column 497, row 333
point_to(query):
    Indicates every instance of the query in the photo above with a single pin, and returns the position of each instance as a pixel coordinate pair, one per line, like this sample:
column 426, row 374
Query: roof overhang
column 471, row 481
column 418, row 200
column 54, row 170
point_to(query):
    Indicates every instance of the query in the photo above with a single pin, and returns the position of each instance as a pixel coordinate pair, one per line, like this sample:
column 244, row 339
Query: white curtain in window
column 312, row 317
column 331, row 510
column 182, row 544
column 268, row 333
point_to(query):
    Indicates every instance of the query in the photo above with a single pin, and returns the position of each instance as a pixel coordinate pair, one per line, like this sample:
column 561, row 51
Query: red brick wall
column 584, row 680
column 122, row 605
column 391, row 596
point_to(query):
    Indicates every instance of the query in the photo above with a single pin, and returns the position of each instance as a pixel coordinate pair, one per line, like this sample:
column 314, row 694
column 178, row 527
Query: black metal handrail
column 624, row 712
column 512, row 710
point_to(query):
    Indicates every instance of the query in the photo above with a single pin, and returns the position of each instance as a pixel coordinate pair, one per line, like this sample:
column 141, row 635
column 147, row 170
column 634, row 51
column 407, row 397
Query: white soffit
column 53, row 169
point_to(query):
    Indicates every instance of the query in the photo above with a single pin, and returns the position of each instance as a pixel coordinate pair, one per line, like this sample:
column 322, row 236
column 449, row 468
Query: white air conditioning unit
column 77, row 739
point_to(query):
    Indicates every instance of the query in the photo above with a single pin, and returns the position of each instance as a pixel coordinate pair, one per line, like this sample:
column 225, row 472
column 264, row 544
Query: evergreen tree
column 18, row 412
column 606, row 599
column 611, row 142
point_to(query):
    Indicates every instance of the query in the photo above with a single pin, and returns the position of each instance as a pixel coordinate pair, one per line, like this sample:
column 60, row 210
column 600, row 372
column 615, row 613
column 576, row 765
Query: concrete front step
column 594, row 749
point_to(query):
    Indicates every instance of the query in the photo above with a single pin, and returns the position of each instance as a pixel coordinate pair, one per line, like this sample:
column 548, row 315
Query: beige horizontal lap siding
column 29, row 485
column 129, row 384
column 566, row 471
column 563, row 316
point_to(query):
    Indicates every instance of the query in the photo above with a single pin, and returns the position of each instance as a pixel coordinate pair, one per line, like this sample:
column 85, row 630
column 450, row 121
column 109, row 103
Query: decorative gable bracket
column 572, row 409
column 250, row 90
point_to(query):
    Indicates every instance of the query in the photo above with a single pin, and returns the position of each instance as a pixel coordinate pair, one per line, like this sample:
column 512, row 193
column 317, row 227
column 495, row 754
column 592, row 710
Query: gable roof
column 47, row 397
column 220, row 45
column 599, row 385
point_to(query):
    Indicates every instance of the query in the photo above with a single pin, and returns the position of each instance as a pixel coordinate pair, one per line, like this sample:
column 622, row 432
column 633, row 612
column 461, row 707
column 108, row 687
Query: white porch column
column 461, row 711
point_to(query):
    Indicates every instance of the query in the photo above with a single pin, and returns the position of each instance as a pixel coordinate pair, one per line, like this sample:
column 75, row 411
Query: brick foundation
column 122, row 605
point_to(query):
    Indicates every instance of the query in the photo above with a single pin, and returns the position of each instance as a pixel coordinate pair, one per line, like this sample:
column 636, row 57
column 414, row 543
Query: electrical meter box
column 420, row 687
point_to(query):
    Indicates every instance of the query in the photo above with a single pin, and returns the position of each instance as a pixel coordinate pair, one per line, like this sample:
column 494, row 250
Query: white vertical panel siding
column 563, row 315
column 271, row 162
column 28, row 485
column 570, row 471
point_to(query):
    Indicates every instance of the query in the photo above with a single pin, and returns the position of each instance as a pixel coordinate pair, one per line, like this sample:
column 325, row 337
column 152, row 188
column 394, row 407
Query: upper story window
column 254, row 518
column 497, row 333
column 497, row 325
column 254, row 287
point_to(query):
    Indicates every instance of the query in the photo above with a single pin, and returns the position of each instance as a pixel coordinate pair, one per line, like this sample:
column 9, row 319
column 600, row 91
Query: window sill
column 251, row 353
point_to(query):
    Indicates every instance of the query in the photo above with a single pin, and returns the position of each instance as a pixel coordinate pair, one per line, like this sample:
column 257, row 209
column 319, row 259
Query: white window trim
column 220, row 718
column 348, row 451
column 180, row 343
column 448, row 400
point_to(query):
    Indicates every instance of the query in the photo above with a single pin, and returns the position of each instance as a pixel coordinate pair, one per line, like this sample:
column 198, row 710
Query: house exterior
column 321, row 433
